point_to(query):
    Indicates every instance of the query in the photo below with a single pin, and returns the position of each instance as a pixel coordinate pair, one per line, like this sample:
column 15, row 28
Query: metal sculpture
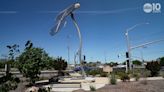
column 60, row 20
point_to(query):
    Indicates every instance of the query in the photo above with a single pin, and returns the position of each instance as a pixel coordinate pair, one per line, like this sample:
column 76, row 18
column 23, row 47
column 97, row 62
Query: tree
column 9, row 82
column 91, row 64
column 59, row 64
column 137, row 62
column 49, row 63
column 124, row 63
column 154, row 67
column 13, row 50
column 161, row 61
column 31, row 61
column 2, row 64
column 112, row 64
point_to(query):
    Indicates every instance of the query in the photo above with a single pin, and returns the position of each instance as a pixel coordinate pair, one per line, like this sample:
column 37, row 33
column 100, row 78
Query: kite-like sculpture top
column 61, row 18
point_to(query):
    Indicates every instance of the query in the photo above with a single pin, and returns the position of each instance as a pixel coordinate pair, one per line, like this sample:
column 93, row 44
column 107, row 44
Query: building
column 109, row 69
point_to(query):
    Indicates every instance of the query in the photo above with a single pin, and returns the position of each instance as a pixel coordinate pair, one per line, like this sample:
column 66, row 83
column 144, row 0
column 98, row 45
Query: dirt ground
column 140, row 86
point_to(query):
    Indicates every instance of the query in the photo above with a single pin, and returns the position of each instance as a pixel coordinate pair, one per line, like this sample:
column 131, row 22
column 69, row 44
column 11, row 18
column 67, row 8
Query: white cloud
column 8, row 12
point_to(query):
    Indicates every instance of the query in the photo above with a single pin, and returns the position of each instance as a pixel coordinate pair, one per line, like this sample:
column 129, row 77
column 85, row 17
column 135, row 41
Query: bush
column 103, row 74
column 124, row 77
column 2, row 64
column 44, row 89
column 113, row 79
column 154, row 67
column 4, row 88
column 137, row 62
column 161, row 61
column 145, row 73
column 92, row 88
column 136, row 76
column 94, row 72
column 8, row 83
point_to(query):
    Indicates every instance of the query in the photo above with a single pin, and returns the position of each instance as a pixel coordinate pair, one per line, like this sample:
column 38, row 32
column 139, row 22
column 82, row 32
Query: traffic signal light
column 127, row 55
column 84, row 57
column 128, row 63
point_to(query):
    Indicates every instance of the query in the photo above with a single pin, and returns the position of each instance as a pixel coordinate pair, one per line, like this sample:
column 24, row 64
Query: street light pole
column 128, row 44
column 68, row 47
column 129, row 54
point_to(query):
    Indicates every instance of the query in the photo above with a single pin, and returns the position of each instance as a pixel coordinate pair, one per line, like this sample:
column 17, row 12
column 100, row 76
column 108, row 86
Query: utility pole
column 105, row 56
column 68, row 47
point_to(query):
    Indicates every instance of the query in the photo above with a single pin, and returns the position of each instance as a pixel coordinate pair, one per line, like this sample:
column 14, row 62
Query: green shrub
column 136, row 76
column 94, row 72
column 145, row 73
column 124, row 77
column 44, row 89
column 8, row 83
column 92, row 88
column 4, row 88
column 2, row 64
column 113, row 79
column 154, row 68
column 103, row 74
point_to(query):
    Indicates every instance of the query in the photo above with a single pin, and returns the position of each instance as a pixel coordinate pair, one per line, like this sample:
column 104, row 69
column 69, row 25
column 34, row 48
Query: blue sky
column 102, row 22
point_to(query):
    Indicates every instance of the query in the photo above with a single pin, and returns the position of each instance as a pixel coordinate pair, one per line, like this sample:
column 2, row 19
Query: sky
column 103, row 24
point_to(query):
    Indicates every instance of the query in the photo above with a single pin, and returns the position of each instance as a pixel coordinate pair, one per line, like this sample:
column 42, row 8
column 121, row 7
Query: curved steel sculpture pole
column 80, row 45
